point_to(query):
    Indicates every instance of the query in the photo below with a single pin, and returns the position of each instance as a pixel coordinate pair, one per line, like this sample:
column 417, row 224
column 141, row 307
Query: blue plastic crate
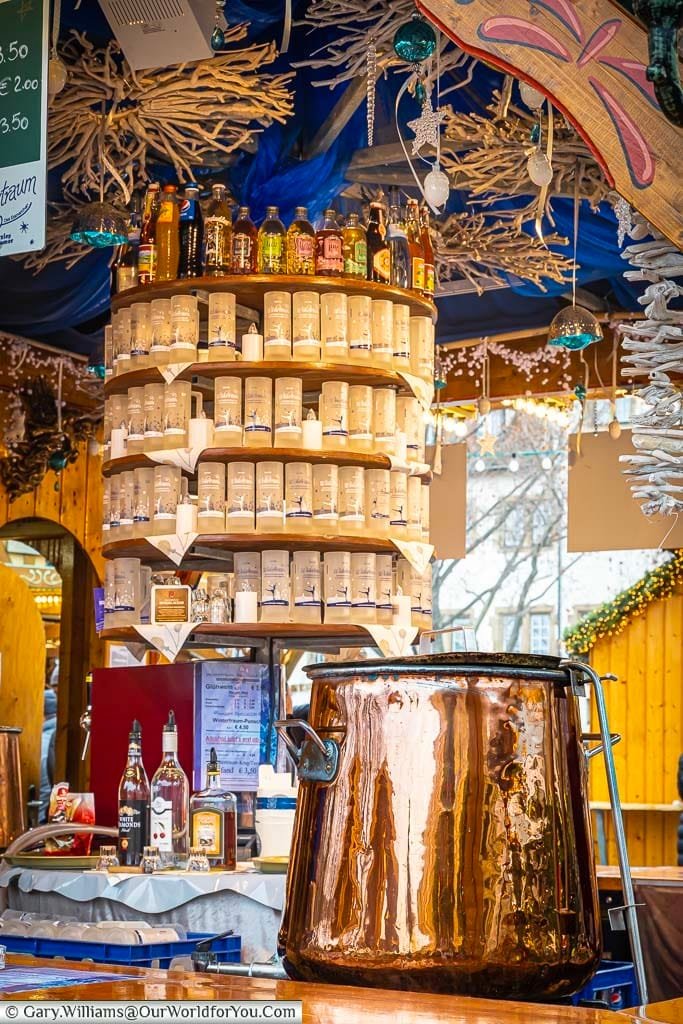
column 613, row 983
column 153, row 954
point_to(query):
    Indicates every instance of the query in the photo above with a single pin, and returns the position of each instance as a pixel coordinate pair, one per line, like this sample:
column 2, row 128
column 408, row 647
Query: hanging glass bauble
column 415, row 41
column 99, row 225
column 580, row 392
column 535, row 133
column 531, row 97
column 57, row 75
column 574, row 328
column 437, row 187
column 484, row 405
column 217, row 40
column 614, row 429
column 539, row 168
column 57, row 461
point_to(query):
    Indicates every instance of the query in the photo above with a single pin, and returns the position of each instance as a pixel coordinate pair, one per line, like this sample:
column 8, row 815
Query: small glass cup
column 151, row 861
column 107, row 859
column 197, row 861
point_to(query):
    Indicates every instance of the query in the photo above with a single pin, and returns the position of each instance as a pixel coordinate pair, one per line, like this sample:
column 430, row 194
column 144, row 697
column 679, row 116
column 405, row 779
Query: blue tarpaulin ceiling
column 68, row 307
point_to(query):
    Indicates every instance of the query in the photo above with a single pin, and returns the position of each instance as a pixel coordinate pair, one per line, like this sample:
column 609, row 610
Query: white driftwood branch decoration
column 487, row 156
column 185, row 115
column 653, row 348
column 356, row 23
column 476, row 248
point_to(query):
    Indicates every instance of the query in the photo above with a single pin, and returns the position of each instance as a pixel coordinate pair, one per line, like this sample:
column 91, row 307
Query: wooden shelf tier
column 367, row 460
column 213, row 551
column 238, row 634
column 314, row 374
column 249, row 290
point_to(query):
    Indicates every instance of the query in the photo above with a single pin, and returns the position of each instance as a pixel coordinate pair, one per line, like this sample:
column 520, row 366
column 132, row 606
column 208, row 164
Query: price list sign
column 230, row 702
column 23, row 124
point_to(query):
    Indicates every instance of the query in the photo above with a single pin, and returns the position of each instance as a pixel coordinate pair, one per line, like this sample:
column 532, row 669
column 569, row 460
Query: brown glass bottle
column 301, row 244
column 428, row 251
column 379, row 262
column 213, row 819
column 147, row 258
column 244, row 245
column 133, row 803
column 167, row 235
column 329, row 254
column 415, row 247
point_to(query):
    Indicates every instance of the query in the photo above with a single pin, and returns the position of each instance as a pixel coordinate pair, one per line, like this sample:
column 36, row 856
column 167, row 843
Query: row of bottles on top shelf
column 175, row 237
column 256, row 414
column 268, row 497
column 274, row 586
column 304, row 326
column 164, row 816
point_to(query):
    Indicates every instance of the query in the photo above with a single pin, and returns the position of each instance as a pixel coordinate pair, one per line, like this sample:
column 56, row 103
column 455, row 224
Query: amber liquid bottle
column 428, row 250
column 379, row 261
column 272, row 244
column 133, row 803
column 147, row 251
column 167, row 235
column 329, row 257
column 213, row 819
column 415, row 247
column 244, row 246
column 300, row 244
column 217, row 232
column 355, row 248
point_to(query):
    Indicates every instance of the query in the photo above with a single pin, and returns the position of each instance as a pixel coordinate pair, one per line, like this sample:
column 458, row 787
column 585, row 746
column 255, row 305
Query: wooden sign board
column 23, row 124
column 602, row 514
column 448, row 503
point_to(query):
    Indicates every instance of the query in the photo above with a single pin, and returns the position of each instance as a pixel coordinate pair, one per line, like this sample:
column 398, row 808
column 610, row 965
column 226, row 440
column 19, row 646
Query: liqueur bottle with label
column 170, row 801
column 428, row 249
column 217, row 232
column 147, row 251
column 300, row 244
column 272, row 244
column 415, row 246
column 167, row 235
column 399, row 250
column 329, row 258
column 355, row 248
column 213, row 819
column 125, row 270
column 191, row 233
column 244, row 255
column 133, row 803
column 379, row 260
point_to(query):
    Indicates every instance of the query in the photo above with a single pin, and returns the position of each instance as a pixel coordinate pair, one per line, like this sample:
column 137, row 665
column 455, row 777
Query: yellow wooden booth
column 639, row 638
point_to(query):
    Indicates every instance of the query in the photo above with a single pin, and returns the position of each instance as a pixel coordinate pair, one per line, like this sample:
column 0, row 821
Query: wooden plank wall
column 645, row 707
column 76, row 505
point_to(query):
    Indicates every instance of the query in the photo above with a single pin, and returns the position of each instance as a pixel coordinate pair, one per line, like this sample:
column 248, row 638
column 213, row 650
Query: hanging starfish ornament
column 487, row 444
column 426, row 127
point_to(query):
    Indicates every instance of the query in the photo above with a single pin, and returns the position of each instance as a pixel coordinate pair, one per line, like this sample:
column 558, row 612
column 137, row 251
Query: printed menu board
column 23, row 124
column 230, row 711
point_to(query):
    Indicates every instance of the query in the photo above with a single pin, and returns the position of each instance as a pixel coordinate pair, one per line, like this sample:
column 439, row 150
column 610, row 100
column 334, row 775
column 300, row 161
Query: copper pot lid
column 463, row 662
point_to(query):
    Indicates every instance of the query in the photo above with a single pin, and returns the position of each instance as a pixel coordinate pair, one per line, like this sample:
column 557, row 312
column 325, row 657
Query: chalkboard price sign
column 23, row 124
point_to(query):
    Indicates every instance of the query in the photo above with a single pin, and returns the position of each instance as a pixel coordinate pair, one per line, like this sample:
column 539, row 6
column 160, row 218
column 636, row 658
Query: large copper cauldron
column 442, row 838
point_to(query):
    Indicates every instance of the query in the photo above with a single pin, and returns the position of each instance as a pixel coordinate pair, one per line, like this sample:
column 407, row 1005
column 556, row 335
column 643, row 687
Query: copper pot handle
column 316, row 760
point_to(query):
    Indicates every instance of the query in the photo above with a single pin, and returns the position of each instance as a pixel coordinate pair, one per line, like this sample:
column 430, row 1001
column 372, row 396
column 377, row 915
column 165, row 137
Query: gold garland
column 611, row 618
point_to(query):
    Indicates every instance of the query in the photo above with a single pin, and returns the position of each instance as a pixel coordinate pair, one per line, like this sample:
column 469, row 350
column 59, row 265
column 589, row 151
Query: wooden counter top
column 322, row 1004
column 610, row 880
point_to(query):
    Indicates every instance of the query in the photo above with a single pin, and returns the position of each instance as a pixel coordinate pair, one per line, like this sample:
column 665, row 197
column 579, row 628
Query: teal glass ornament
column 420, row 94
column 574, row 328
column 580, row 392
column 415, row 41
column 99, row 225
column 57, row 461
column 535, row 133
column 217, row 40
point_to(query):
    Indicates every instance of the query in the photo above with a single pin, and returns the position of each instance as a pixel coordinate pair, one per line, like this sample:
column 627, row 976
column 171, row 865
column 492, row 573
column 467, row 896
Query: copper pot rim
column 531, row 666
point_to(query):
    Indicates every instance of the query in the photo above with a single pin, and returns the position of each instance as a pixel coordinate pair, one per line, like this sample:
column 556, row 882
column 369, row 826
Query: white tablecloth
column 244, row 900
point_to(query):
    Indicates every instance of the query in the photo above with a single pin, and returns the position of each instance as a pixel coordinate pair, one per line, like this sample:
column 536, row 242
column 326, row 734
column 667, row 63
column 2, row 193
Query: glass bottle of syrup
column 191, row 233
column 329, row 259
column 398, row 245
column 133, row 803
column 170, row 801
column 428, row 250
column 301, row 244
column 213, row 819
column 217, row 232
column 355, row 248
column 272, row 244
column 417, row 258
column 167, row 235
column 147, row 251
column 379, row 260
column 244, row 245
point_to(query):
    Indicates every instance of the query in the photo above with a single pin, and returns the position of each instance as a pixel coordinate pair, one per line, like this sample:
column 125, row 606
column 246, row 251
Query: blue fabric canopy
column 69, row 307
